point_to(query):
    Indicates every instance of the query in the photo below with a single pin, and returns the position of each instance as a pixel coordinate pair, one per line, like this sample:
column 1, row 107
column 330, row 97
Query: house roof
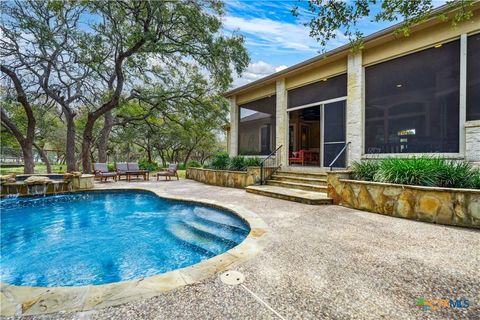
column 342, row 49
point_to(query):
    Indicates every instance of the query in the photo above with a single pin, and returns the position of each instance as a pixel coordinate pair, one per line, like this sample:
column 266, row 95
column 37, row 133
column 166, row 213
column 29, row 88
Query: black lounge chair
column 170, row 172
column 101, row 172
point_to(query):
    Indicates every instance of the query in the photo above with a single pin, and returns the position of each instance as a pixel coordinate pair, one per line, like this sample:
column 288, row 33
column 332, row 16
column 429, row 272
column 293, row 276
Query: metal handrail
column 262, row 164
column 339, row 154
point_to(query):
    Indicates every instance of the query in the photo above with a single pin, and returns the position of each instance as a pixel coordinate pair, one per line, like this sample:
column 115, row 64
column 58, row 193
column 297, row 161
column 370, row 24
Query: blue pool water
column 103, row 237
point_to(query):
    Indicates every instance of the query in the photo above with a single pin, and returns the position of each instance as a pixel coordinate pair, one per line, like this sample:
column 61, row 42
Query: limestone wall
column 458, row 207
column 226, row 178
column 472, row 141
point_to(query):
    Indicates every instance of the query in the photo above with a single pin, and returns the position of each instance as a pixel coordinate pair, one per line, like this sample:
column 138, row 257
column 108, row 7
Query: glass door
column 334, row 133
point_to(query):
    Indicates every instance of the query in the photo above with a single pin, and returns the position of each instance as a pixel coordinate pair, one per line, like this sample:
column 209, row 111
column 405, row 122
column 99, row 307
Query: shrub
column 220, row 161
column 365, row 170
column 476, row 179
column 457, row 175
column 110, row 166
column 193, row 164
column 421, row 171
column 181, row 166
column 237, row 164
column 252, row 162
column 144, row 164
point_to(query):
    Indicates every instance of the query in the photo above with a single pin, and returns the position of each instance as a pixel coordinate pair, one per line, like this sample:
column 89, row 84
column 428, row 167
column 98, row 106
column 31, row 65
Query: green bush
column 422, row 171
column 144, row 164
column 457, row 175
column 220, row 161
column 111, row 167
column 181, row 166
column 252, row 162
column 476, row 180
column 237, row 164
column 193, row 164
column 365, row 170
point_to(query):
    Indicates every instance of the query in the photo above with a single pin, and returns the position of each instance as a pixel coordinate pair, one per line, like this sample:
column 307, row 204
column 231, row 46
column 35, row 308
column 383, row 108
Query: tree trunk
column 70, row 152
column 28, row 161
column 187, row 156
column 87, row 143
column 44, row 157
column 104, row 134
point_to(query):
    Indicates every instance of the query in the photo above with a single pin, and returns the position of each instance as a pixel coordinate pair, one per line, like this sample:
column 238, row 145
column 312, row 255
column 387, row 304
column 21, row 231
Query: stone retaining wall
column 458, row 207
column 226, row 178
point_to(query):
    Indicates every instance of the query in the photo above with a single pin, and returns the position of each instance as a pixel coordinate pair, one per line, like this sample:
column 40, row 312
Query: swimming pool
column 104, row 237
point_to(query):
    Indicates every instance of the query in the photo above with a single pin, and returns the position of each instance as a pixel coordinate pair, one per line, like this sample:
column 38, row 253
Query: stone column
column 234, row 120
column 281, row 132
column 472, row 142
column 355, row 121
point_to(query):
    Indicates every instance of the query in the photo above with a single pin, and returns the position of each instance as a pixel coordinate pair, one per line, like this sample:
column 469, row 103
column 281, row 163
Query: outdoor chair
column 122, row 169
column 170, row 172
column 101, row 172
column 134, row 170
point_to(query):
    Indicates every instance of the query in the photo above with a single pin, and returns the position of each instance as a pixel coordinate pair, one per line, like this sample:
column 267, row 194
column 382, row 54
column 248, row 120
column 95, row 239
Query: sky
column 275, row 39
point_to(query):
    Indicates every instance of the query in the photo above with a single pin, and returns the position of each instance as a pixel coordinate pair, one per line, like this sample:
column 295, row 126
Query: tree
column 170, row 32
column 331, row 16
column 40, row 42
column 26, row 140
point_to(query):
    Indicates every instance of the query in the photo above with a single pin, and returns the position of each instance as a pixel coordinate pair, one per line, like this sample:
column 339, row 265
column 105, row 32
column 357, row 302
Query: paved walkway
column 323, row 262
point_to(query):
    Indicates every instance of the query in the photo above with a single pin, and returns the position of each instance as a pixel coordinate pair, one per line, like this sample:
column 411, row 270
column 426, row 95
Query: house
column 396, row 97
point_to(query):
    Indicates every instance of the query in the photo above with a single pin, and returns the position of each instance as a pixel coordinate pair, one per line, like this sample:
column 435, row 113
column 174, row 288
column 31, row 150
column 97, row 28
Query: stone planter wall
column 226, row 178
column 457, row 207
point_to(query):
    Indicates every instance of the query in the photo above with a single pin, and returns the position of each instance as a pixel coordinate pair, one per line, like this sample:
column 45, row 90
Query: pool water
column 103, row 237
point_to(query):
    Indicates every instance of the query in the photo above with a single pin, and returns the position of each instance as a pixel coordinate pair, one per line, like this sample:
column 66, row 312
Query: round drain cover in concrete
column 232, row 277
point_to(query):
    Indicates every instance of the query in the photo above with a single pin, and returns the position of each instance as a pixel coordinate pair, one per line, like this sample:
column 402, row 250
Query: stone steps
column 302, row 196
column 299, row 179
column 300, row 174
column 296, row 185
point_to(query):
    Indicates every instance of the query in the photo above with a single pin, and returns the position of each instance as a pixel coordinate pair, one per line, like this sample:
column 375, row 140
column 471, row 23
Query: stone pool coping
column 25, row 300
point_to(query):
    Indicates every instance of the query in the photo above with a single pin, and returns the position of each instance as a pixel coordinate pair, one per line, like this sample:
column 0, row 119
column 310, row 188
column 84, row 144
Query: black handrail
column 273, row 156
column 339, row 154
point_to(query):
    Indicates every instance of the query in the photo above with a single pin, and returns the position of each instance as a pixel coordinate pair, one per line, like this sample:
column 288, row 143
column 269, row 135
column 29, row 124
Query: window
column 256, row 130
column 412, row 102
column 473, row 77
column 319, row 91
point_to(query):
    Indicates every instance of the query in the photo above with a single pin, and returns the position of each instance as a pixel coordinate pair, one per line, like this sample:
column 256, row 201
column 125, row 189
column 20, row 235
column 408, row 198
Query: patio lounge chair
column 101, row 171
column 122, row 169
column 170, row 172
column 134, row 170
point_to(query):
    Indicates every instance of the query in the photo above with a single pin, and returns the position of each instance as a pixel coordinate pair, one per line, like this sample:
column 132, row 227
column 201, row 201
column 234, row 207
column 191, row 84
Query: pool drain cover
column 232, row 277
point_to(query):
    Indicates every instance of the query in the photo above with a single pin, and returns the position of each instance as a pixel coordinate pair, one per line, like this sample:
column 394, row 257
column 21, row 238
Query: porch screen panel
column 334, row 134
column 412, row 102
column 318, row 91
column 256, row 130
column 473, row 77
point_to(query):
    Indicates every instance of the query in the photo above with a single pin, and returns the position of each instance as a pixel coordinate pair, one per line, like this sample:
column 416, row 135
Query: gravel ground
column 323, row 262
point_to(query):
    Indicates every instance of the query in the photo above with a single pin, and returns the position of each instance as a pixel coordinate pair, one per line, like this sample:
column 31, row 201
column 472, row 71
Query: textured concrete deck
column 325, row 262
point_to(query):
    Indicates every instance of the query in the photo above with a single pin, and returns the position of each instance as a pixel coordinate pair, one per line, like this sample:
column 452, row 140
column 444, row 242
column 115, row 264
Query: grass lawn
column 56, row 168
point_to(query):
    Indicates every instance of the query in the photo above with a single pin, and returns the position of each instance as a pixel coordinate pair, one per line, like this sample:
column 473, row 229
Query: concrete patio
column 322, row 262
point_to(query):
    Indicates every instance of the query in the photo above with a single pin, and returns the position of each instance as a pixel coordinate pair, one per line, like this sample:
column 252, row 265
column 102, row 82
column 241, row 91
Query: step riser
column 318, row 182
column 291, row 198
column 302, row 174
column 306, row 188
